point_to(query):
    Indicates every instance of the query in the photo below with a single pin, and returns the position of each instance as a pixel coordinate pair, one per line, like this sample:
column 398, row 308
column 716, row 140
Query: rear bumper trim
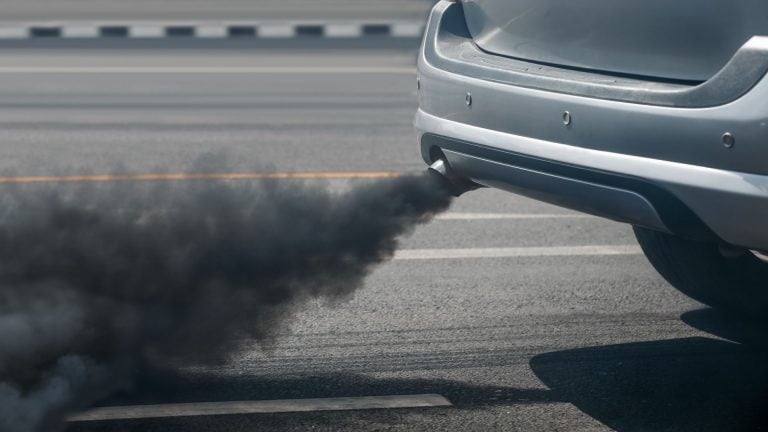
column 732, row 205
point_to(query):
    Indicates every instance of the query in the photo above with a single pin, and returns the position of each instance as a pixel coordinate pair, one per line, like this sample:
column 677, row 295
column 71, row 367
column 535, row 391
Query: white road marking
column 343, row 30
column 255, row 70
column 516, row 252
column 407, row 29
column 259, row 407
column 277, row 31
column 492, row 216
column 14, row 32
column 83, row 31
column 146, row 31
column 211, row 31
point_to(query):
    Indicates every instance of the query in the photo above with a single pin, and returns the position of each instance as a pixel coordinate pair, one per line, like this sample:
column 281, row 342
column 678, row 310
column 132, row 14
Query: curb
column 213, row 30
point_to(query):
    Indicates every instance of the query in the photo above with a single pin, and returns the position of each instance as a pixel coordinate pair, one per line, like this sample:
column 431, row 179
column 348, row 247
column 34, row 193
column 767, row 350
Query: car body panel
column 678, row 149
column 680, row 39
column 733, row 205
column 450, row 47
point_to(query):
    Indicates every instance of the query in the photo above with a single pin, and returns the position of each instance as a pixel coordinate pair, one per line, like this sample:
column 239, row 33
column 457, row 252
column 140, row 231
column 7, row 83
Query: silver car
column 649, row 112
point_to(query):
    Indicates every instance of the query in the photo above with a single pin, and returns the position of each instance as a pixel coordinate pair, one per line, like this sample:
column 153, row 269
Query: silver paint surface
column 680, row 39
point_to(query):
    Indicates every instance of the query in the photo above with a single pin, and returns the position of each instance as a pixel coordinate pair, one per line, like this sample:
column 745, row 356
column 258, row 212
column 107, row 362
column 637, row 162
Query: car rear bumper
column 626, row 153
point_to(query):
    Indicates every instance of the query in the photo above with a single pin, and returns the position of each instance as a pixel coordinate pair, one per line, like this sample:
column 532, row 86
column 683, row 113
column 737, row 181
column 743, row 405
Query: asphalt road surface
column 179, row 10
column 522, row 316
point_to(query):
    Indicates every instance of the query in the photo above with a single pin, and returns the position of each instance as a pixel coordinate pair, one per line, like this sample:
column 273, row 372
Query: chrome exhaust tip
column 440, row 166
column 455, row 185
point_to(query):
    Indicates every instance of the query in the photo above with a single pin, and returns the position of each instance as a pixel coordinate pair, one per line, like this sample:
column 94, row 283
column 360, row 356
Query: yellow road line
column 198, row 176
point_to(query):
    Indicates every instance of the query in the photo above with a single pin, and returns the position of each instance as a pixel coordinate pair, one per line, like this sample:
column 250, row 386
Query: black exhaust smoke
column 98, row 279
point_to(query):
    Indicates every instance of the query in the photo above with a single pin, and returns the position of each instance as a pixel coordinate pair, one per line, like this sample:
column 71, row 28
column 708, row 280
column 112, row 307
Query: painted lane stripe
column 211, row 31
column 277, row 31
column 497, row 216
column 516, row 252
column 262, row 70
column 146, row 31
column 343, row 31
column 83, row 31
column 407, row 30
column 14, row 32
column 261, row 407
column 199, row 176
column 265, row 29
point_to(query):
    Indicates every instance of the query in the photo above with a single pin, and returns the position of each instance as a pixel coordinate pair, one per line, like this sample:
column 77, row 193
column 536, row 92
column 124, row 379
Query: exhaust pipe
column 453, row 183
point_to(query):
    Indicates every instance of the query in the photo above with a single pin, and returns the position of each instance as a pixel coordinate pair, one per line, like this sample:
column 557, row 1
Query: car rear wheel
column 735, row 281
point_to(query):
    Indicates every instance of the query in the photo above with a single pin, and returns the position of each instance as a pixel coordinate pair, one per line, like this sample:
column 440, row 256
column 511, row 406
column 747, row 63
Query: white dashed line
column 213, row 29
column 261, row 407
column 492, row 216
column 14, row 33
column 277, row 31
column 343, row 31
column 142, row 32
column 407, row 30
column 516, row 252
column 211, row 32
column 80, row 32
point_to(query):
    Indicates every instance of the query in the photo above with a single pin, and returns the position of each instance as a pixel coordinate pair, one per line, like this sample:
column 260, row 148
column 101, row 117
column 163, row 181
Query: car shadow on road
column 688, row 384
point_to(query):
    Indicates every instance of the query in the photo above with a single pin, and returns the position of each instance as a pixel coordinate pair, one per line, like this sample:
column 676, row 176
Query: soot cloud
column 97, row 279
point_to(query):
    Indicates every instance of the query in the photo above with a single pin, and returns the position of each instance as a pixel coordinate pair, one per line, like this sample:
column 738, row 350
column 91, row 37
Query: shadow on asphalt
column 750, row 334
column 690, row 384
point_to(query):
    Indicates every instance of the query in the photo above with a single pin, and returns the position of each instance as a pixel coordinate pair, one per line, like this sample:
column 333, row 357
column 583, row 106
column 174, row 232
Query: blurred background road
column 556, row 323
column 155, row 10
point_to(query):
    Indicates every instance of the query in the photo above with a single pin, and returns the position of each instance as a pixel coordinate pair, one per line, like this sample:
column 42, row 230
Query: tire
column 735, row 284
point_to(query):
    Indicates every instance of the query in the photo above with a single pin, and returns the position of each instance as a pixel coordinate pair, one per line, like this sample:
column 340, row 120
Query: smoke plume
column 99, row 279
